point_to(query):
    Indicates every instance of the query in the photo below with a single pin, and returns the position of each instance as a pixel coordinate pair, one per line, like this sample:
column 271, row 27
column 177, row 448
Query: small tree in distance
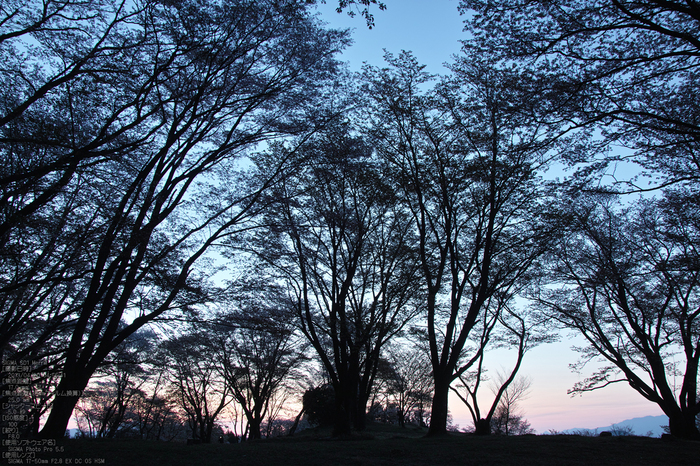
column 500, row 329
column 196, row 383
column 257, row 350
column 508, row 418
column 408, row 383
column 319, row 405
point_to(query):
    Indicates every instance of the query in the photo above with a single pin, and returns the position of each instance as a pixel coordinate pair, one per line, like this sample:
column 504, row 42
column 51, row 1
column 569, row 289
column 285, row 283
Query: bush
column 319, row 405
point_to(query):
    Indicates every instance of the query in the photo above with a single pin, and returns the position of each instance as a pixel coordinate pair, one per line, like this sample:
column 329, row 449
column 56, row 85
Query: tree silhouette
column 465, row 158
column 507, row 418
column 408, row 381
column 520, row 331
column 196, row 381
column 344, row 251
column 105, row 210
column 628, row 281
column 257, row 349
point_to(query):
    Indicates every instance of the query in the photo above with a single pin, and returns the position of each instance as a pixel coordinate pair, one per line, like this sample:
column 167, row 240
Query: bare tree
column 409, row 382
column 344, row 251
column 465, row 157
column 105, row 407
column 154, row 413
column 627, row 70
column 627, row 280
column 507, row 418
column 257, row 349
column 500, row 328
column 201, row 392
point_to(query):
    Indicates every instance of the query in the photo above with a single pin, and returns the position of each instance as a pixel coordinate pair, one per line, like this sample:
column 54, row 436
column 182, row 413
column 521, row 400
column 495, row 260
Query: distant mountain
column 640, row 426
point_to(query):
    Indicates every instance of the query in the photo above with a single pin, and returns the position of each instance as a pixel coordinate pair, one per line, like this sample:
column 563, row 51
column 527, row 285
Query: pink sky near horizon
column 548, row 405
column 432, row 31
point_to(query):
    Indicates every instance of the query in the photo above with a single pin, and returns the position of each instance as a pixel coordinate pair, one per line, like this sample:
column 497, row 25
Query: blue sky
column 432, row 30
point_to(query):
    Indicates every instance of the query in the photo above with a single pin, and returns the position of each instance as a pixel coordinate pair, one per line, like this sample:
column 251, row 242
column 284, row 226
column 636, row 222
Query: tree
column 344, row 252
column 126, row 398
column 626, row 278
column 103, row 409
column 408, row 382
column 507, row 419
column 201, row 392
column 105, row 150
column 465, row 157
column 257, row 350
column 628, row 68
column 154, row 413
column 500, row 328
column 508, row 422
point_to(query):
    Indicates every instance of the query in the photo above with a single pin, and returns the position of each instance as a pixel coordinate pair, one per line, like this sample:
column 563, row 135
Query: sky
column 432, row 30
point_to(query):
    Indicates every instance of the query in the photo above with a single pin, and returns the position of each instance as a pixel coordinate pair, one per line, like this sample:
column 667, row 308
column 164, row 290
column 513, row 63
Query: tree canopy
column 629, row 68
column 105, row 147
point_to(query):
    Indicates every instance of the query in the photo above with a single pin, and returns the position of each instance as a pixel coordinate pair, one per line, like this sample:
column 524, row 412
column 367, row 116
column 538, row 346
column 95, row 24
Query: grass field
column 383, row 446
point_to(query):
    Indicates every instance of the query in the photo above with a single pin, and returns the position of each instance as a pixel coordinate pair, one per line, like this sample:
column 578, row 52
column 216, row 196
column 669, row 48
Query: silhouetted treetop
column 362, row 7
column 627, row 68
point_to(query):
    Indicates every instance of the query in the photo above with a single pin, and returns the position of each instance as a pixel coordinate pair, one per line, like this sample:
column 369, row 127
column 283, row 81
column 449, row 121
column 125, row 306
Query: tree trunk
column 401, row 418
column 341, row 426
column 438, row 413
column 254, row 423
column 360, row 410
column 68, row 393
column 682, row 425
column 342, row 422
column 482, row 427
column 209, row 428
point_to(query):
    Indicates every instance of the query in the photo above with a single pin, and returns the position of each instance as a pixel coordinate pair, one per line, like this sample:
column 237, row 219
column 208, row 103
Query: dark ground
column 381, row 445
